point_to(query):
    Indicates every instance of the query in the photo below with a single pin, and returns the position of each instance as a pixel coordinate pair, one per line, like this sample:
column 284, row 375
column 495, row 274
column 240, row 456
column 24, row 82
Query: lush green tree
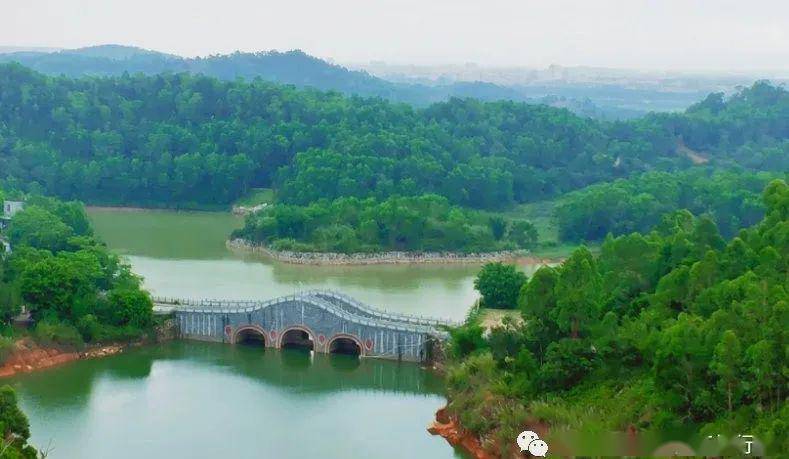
column 498, row 225
column 39, row 228
column 14, row 427
column 578, row 293
column 567, row 362
column 132, row 307
column 523, row 233
column 727, row 365
column 64, row 284
column 499, row 284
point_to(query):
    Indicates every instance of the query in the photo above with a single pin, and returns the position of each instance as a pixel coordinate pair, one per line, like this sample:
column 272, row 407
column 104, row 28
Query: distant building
column 10, row 208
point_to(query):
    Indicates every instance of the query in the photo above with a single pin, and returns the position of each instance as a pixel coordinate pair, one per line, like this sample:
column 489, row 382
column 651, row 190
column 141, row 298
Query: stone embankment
column 28, row 356
column 243, row 211
column 378, row 258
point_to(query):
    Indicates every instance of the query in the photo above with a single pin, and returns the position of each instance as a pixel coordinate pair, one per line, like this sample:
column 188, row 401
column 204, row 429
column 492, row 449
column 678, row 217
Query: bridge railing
column 236, row 306
column 416, row 319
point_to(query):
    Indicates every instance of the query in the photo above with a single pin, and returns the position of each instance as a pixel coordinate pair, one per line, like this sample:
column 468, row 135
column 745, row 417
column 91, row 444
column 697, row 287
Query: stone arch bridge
column 320, row 320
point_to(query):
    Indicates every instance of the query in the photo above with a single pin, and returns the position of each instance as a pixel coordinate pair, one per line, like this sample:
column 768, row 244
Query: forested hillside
column 661, row 331
column 731, row 198
column 193, row 140
column 291, row 67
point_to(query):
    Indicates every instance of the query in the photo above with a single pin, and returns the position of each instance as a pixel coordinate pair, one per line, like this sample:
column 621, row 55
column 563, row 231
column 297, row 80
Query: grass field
column 540, row 214
column 256, row 196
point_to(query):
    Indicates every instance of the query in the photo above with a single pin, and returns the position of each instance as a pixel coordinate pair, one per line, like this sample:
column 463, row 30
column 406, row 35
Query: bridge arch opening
column 297, row 338
column 346, row 345
column 251, row 337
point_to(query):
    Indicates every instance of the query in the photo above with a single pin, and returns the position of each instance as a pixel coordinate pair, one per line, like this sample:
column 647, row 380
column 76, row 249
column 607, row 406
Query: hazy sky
column 659, row 34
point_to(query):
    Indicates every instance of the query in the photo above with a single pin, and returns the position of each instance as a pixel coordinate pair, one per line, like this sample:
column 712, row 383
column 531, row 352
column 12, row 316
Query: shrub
column 6, row 348
column 89, row 327
column 93, row 331
column 567, row 362
column 465, row 340
column 51, row 332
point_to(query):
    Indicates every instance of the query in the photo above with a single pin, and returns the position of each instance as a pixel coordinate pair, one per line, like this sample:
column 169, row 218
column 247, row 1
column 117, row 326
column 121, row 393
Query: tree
column 498, row 226
column 37, row 227
column 523, row 233
column 14, row 427
column 132, row 307
column 578, row 293
column 64, row 284
column 499, row 284
column 726, row 364
column 537, row 297
column 567, row 362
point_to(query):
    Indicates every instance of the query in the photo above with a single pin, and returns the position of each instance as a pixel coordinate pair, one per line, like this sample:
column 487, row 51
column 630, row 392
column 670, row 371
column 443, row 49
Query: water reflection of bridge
column 320, row 320
column 289, row 370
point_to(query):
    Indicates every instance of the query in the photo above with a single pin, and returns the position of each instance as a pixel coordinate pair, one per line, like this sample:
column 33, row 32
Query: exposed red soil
column 449, row 428
column 29, row 356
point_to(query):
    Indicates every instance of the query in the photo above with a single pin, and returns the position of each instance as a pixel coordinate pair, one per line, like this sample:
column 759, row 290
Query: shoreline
column 29, row 356
column 151, row 209
column 449, row 428
column 382, row 258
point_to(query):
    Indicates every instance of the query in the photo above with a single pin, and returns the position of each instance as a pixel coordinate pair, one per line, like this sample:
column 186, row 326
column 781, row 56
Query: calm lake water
column 199, row 400
column 207, row 400
column 183, row 254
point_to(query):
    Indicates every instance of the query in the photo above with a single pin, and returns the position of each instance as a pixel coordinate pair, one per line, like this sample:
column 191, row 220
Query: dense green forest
column 667, row 330
column 420, row 223
column 731, row 198
column 194, row 140
column 74, row 288
column 179, row 140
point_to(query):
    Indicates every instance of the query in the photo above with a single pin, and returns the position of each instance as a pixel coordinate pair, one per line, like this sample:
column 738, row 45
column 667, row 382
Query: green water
column 197, row 400
column 183, row 254
column 204, row 400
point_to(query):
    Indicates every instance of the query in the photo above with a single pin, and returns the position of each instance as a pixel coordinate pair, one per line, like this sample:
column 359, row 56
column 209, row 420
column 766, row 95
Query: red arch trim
column 255, row 328
column 354, row 338
column 303, row 328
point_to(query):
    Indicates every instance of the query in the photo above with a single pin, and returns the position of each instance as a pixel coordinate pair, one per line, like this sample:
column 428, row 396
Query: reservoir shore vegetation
column 676, row 328
column 82, row 300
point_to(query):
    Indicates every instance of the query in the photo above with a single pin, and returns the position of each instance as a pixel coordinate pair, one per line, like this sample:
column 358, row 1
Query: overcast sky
column 659, row 34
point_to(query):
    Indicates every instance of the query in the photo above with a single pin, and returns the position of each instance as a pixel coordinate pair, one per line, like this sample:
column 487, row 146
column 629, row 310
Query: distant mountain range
column 302, row 70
